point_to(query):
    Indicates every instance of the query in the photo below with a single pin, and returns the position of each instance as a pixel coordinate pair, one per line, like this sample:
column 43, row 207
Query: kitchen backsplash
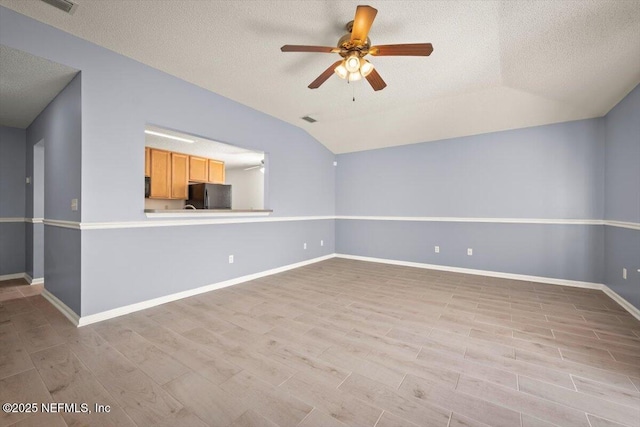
column 163, row 204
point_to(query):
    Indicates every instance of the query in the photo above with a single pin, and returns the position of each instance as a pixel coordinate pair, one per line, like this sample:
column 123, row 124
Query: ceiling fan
column 353, row 47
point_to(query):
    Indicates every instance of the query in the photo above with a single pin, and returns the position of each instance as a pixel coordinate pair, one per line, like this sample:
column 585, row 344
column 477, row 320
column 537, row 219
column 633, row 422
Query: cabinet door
column 147, row 161
column 216, row 171
column 179, row 176
column 160, row 174
column 198, row 169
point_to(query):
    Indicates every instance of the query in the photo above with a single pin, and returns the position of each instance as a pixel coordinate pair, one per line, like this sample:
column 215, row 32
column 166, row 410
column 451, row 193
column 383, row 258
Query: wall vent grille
column 309, row 119
column 64, row 5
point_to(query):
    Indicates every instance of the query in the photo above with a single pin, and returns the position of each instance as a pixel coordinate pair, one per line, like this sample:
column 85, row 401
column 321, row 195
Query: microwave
column 147, row 186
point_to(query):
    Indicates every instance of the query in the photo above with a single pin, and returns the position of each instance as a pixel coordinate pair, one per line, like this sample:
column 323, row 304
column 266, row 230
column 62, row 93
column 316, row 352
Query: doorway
column 38, row 209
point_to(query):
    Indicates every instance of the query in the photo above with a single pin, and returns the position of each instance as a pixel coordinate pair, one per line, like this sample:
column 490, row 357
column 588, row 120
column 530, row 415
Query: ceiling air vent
column 309, row 119
column 63, row 5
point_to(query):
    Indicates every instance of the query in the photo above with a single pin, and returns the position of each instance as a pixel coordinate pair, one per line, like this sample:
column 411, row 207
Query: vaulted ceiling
column 496, row 65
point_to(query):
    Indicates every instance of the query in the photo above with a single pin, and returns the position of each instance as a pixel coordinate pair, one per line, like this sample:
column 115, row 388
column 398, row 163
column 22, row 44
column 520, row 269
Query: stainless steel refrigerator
column 210, row 196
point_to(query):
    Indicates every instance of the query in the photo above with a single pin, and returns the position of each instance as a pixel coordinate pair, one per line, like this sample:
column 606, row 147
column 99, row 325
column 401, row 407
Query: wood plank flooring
column 337, row 343
column 18, row 288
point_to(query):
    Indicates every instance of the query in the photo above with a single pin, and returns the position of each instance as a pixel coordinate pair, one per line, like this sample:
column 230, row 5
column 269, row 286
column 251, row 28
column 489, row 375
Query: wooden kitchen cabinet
column 160, row 165
column 147, row 161
column 198, row 169
column 171, row 172
column 179, row 176
column 216, row 171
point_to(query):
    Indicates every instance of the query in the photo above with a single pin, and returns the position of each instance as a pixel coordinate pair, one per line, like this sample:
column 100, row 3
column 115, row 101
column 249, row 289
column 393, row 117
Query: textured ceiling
column 27, row 85
column 496, row 65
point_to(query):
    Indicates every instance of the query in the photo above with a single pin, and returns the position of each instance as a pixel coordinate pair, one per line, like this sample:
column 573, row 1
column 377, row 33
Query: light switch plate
column 74, row 204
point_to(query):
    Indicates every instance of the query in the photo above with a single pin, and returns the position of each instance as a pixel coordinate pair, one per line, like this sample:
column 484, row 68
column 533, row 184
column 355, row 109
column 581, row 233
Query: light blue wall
column 12, row 248
column 60, row 126
column 63, row 265
column 184, row 258
column 12, row 200
column 120, row 96
column 12, row 172
column 552, row 171
column 556, row 251
column 622, row 196
column 546, row 172
column 622, row 160
column 50, row 251
column 622, row 250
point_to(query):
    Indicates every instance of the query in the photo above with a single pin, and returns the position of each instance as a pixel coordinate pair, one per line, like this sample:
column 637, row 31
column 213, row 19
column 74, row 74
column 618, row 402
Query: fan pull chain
column 354, row 92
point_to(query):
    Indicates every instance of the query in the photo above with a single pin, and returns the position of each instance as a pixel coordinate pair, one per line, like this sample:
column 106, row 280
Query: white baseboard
column 120, row 311
column 62, row 307
column 539, row 279
column 32, row 281
column 623, row 302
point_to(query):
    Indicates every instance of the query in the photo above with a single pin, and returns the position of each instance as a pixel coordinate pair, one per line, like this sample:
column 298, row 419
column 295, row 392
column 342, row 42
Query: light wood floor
column 18, row 288
column 332, row 344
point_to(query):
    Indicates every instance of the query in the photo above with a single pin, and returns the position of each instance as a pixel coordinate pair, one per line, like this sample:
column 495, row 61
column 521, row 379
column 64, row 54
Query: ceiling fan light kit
column 366, row 67
column 341, row 71
column 352, row 63
column 354, row 77
column 353, row 47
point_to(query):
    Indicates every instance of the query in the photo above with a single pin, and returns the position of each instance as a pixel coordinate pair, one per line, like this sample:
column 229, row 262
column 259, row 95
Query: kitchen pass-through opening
column 184, row 171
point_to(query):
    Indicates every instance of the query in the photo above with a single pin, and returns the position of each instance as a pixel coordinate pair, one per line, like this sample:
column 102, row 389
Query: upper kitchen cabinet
column 216, row 171
column 198, row 169
column 160, row 164
column 179, row 176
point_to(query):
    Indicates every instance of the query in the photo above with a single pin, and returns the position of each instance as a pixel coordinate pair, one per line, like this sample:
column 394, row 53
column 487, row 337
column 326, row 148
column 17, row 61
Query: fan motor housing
column 347, row 46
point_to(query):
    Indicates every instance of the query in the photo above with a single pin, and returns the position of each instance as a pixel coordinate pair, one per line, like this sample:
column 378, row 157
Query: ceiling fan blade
column 302, row 48
column 324, row 76
column 376, row 81
column 253, row 167
column 414, row 49
column 362, row 23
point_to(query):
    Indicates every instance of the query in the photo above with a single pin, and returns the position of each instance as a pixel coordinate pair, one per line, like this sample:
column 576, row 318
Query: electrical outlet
column 230, row 259
column 28, row 180
column 469, row 251
column 624, row 273
column 304, row 246
column 437, row 249
column 321, row 242
column 74, row 204
column 335, row 163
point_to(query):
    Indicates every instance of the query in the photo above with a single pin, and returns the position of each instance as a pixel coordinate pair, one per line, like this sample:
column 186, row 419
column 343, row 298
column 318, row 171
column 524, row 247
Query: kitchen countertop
column 167, row 213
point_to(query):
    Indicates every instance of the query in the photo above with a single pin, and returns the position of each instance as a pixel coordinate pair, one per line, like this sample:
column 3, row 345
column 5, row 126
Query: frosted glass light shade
column 341, row 71
column 354, row 77
column 352, row 63
column 366, row 67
